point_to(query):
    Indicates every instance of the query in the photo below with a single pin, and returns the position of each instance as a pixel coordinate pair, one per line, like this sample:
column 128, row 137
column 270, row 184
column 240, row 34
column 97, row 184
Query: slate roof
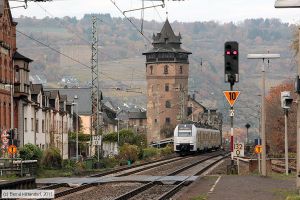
column 47, row 93
column 36, row 88
column 53, row 94
column 63, row 97
column 18, row 56
column 83, row 94
column 166, row 35
column 137, row 115
column 167, row 41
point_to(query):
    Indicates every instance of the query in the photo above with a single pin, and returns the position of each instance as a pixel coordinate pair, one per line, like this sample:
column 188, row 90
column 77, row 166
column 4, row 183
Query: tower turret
column 167, row 73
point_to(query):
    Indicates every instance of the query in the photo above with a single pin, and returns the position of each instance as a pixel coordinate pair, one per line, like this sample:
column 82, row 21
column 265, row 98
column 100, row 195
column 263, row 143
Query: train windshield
column 184, row 133
column 185, row 130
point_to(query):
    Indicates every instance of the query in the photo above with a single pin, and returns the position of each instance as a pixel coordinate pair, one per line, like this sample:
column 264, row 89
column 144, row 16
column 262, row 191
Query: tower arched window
column 151, row 69
column 168, row 104
column 166, row 69
column 181, row 70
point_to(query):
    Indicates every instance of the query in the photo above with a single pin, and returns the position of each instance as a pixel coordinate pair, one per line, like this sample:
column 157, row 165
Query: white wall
column 110, row 148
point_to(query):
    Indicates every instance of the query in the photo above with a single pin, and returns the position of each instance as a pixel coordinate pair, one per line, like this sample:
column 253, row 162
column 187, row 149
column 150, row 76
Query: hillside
column 121, row 59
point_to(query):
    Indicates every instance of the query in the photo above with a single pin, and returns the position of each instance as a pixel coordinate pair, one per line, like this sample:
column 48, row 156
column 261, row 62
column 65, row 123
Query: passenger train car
column 188, row 138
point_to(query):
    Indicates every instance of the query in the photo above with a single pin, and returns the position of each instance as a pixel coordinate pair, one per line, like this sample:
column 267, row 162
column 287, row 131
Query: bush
column 31, row 152
column 79, row 168
column 108, row 162
column 126, row 136
column 69, row 164
column 52, row 158
column 150, row 152
column 167, row 150
column 129, row 152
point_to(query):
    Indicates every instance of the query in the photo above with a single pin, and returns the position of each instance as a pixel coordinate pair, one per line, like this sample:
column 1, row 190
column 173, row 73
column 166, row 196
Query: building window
column 25, row 124
column 32, row 124
column 168, row 104
column 141, row 122
column 37, row 125
column 43, row 126
column 168, row 120
column 155, row 120
column 166, row 69
column 181, row 69
column 151, row 69
column 167, row 88
column 17, row 78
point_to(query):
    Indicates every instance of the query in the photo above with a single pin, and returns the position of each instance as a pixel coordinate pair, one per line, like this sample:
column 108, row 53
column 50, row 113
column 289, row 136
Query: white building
column 47, row 119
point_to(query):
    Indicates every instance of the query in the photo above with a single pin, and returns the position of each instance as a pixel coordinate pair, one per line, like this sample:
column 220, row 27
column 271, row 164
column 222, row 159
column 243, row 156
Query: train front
column 185, row 138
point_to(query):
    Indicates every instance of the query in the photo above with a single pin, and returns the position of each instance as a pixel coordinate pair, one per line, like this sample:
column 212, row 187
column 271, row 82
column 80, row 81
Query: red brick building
column 167, row 73
column 7, row 50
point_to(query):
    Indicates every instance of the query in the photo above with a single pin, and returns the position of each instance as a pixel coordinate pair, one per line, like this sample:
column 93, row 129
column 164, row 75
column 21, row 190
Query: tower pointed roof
column 167, row 41
column 166, row 35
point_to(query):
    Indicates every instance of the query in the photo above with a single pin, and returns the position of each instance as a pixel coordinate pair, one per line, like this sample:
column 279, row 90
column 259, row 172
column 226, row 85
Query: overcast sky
column 185, row 11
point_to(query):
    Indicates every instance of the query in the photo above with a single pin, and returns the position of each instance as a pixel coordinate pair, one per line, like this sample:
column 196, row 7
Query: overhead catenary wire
column 114, row 3
column 62, row 23
column 65, row 55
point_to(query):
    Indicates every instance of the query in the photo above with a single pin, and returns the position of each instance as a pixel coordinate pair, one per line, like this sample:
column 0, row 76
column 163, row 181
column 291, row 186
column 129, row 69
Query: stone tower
column 167, row 73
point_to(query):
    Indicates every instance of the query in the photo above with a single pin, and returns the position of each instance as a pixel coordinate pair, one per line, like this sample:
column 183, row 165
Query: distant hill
column 121, row 48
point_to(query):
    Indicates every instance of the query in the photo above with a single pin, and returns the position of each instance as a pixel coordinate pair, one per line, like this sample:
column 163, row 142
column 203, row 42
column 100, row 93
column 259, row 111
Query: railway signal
column 239, row 150
column 231, row 57
column 286, row 102
column 231, row 72
column 231, row 96
column 258, row 149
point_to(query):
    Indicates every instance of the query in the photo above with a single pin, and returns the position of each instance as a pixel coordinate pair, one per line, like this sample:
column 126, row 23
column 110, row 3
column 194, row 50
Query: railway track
column 157, row 190
column 62, row 190
column 117, row 190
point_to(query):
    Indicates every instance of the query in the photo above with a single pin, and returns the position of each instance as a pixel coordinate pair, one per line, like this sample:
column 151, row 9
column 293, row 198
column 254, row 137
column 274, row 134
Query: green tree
column 52, row 158
column 126, row 136
column 31, row 152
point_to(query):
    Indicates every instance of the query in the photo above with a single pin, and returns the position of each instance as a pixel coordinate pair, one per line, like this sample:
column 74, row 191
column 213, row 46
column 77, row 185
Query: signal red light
column 235, row 52
column 228, row 52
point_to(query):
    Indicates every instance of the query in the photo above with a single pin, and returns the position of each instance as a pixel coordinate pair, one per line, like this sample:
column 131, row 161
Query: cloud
column 189, row 10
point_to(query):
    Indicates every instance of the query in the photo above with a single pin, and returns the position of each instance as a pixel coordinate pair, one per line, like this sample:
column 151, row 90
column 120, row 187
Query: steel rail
column 73, row 190
column 175, row 189
column 147, row 186
column 88, row 185
column 131, row 167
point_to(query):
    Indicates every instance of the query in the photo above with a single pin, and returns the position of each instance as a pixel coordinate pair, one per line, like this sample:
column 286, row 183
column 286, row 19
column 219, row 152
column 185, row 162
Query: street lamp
column 76, row 104
column 263, row 114
column 294, row 4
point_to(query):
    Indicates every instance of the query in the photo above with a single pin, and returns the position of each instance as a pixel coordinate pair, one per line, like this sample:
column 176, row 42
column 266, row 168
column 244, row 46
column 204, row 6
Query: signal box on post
column 231, row 55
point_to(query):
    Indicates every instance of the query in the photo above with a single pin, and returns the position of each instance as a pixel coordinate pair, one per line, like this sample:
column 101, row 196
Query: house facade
column 7, row 50
column 48, row 118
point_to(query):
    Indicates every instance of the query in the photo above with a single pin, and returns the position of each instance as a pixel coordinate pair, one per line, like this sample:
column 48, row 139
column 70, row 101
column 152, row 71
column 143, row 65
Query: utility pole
column 157, row 104
column 286, row 150
column 182, row 104
column 259, row 141
column 95, row 83
column 263, row 114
